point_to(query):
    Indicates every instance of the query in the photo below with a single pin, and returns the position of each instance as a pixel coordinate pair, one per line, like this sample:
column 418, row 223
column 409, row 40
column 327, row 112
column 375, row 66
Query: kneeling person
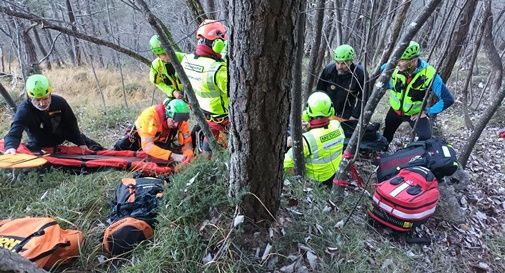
column 161, row 131
column 47, row 118
column 322, row 143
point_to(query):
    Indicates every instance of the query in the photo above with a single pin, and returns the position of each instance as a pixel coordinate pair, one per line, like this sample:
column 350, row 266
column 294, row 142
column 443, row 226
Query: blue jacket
column 438, row 87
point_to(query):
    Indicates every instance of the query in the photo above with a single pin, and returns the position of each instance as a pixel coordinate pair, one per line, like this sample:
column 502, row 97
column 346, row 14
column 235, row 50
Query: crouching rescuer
column 161, row 131
column 322, row 143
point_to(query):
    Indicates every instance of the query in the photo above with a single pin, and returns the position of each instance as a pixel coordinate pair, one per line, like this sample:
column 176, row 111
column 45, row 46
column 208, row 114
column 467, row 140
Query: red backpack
column 406, row 200
column 40, row 240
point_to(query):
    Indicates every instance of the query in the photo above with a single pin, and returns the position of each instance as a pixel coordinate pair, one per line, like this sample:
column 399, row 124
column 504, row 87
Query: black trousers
column 393, row 121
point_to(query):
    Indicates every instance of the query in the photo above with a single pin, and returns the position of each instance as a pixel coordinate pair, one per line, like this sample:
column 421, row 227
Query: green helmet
column 343, row 53
column 156, row 45
column 319, row 105
column 412, row 51
column 38, row 86
column 176, row 109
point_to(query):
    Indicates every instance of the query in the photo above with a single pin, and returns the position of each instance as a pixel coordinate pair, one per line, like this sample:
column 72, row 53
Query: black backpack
column 137, row 198
column 434, row 154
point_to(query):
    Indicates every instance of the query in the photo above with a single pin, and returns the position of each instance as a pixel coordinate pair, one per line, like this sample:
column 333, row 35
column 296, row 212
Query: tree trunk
column 314, row 51
column 259, row 87
column 497, row 71
column 296, row 95
column 76, row 48
column 380, row 86
column 11, row 262
column 196, row 10
column 487, row 16
column 8, row 98
column 395, row 33
column 41, row 47
column 457, row 40
column 31, row 54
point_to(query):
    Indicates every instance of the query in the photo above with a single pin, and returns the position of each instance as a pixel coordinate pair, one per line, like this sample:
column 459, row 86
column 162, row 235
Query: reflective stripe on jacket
column 208, row 79
column 149, row 126
column 407, row 97
column 322, row 149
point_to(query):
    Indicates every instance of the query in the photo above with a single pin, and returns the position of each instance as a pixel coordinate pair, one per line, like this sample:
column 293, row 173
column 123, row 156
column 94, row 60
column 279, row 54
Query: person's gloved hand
column 10, row 151
column 177, row 157
column 85, row 150
column 347, row 154
column 501, row 133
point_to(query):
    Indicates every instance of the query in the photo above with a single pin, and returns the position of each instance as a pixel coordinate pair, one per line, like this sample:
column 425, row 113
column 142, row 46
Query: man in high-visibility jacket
column 161, row 131
column 410, row 81
column 162, row 73
column 207, row 72
column 322, row 143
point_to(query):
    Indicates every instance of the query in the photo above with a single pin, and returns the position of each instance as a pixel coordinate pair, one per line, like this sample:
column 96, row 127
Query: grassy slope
column 195, row 218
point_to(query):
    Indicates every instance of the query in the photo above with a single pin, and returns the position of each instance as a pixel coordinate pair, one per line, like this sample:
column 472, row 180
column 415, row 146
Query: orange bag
column 124, row 234
column 40, row 239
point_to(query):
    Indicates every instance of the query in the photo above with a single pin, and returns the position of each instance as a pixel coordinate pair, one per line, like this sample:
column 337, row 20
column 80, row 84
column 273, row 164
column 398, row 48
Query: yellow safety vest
column 408, row 98
column 201, row 72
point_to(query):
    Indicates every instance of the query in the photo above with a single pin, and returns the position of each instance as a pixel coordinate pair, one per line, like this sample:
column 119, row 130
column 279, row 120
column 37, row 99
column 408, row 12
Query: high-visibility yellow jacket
column 163, row 76
column 151, row 127
column 322, row 150
column 209, row 80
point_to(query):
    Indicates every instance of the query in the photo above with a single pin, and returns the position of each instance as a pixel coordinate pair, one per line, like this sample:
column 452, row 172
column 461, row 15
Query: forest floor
column 195, row 224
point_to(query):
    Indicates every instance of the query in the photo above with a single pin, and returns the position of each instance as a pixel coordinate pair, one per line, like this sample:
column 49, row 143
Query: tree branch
column 48, row 24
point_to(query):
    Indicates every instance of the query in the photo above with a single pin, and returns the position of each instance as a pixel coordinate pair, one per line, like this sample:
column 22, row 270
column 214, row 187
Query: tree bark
column 196, row 10
column 380, row 86
column 11, row 262
column 296, row 95
column 457, row 40
column 497, row 71
column 259, row 85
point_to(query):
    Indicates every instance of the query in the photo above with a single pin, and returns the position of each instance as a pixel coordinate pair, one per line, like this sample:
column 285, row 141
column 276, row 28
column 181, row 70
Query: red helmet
column 211, row 30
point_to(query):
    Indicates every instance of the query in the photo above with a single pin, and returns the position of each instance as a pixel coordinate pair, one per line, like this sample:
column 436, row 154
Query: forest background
column 96, row 55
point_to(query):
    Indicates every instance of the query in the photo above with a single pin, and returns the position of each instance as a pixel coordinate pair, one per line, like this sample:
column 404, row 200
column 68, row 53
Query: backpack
column 434, row 153
column 406, row 200
column 40, row 240
column 137, row 198
column 133, row 214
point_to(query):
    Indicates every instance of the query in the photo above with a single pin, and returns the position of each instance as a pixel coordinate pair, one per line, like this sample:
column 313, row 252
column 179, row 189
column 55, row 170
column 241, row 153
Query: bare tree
column 314, row 52
column 260, row 101
column 296, row 96
column 76, row 49
column 457, row 38
column 497, row 71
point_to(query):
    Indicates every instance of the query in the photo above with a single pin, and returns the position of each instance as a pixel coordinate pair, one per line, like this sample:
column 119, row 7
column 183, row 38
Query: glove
column 501, row 133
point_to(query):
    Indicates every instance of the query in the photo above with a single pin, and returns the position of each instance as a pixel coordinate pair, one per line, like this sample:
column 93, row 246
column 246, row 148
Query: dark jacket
column 344, row 90
column 45, row 128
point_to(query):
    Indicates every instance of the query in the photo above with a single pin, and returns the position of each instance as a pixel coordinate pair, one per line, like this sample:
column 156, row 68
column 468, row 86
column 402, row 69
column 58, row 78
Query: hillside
column 195, row 233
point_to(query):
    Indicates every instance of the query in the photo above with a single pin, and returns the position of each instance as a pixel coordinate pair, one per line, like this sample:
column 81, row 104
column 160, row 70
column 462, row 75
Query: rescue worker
column 162, row 73
column 47, row 119
column 343, row 82
column 207, row 72
column 322, row 143
column 410, row 81
column 161, row 131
